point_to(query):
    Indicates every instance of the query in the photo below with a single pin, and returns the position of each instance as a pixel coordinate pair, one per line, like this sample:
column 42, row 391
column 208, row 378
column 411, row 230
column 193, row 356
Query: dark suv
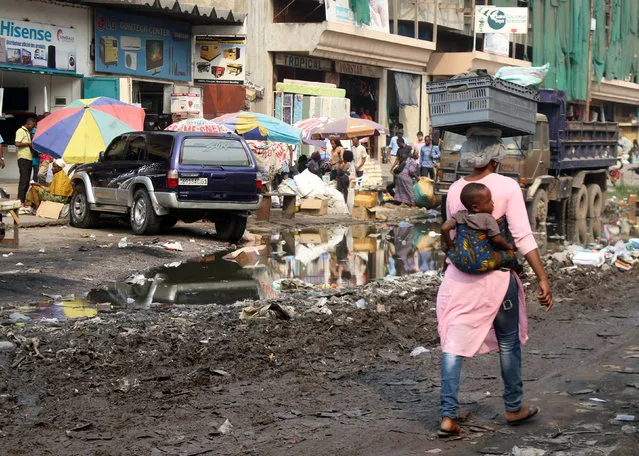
column 158, row 178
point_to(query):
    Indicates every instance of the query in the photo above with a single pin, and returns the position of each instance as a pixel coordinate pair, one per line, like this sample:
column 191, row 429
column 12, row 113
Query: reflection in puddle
column 331, row 257
column 324, row 257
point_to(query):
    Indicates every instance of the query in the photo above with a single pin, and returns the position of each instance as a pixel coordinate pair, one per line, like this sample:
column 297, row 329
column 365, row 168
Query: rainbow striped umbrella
column 81, row 130
column 198, row 124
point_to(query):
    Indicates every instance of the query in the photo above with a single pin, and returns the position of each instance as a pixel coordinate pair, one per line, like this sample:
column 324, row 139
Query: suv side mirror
column 101, row 156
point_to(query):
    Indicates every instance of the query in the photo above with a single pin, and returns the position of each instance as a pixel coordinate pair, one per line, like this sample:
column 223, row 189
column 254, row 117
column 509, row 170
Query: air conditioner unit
column 130, row 43
column 131, row 60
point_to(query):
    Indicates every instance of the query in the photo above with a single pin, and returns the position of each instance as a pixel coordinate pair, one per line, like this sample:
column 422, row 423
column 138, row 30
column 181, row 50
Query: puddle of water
column 338, row 257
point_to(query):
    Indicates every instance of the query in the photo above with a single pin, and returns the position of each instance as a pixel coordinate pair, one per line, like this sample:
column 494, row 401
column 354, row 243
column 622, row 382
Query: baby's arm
column 448, row 242
column 501, row 243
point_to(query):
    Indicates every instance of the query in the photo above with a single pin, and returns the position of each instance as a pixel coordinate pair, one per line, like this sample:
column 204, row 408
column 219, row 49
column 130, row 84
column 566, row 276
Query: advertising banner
column 186, row 103
column 139, row 46
column 492, row 19
column 220, row 59
column 34, row 45
column 497, row 43
column 339, row 11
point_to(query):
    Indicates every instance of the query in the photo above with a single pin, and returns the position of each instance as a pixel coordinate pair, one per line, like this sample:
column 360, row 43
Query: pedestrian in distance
column 25, row 157
column 428, row 156
column 360, row 154
column 479, row 313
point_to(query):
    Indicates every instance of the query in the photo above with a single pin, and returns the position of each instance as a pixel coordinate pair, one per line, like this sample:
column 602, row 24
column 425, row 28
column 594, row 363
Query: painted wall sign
column 35, row 45
column 220, row 60
column 358, row 69
column 492, row 19
column 139, row 46
column 304, row 62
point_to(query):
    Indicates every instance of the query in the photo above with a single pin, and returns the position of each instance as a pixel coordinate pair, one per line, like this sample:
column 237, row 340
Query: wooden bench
column 288, row 206
column 11, row 206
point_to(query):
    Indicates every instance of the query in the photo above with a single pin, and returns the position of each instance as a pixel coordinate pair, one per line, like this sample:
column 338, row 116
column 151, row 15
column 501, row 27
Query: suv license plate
column 193, row 181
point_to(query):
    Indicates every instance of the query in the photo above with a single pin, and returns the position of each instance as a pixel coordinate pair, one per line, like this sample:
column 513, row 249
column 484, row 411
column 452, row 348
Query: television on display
column 154, row 56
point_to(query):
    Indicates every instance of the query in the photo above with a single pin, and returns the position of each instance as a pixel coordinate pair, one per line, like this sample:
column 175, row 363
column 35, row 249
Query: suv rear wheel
column 231, row 228
column 81, row 215
column 143, row 217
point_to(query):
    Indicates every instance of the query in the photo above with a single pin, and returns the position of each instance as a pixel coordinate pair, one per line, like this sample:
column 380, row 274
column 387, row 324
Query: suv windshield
column 212, row 151
column 452, row 143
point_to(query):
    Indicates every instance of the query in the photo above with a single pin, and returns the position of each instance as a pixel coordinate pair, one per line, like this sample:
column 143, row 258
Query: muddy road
column 322, row 371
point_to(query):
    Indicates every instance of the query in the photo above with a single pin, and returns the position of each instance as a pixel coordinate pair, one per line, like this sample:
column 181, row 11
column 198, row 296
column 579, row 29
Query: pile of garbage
column 308, row 185
column 622, row 255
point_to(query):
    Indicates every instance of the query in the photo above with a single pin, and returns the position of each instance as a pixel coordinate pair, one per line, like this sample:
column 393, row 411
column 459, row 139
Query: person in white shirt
column 360, row 154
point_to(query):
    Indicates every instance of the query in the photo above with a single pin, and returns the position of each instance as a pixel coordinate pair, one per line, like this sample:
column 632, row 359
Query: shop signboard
column 139, row 46
column 358, row 69
column 186, row 103
column 492, row 19
column 340, row 11
column 220, row 59
column 303, row 62
column 497, row 43
column 40, row 46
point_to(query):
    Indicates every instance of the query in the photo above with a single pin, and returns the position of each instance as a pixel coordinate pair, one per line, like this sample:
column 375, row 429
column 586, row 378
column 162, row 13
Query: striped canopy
column 261, row 127
column 78, row 132
column 308, row 126
column 200, row 125
column 349, row 128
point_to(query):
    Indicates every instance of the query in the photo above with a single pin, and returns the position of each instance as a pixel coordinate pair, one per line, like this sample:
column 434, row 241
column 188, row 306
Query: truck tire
column 80, row 213
column 595, row 201
column 231, row 228
column 143, row 218
column 578, row 205
column 538, row 209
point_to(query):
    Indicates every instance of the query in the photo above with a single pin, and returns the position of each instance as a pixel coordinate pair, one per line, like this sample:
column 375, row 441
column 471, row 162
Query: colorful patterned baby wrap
column 474, row 254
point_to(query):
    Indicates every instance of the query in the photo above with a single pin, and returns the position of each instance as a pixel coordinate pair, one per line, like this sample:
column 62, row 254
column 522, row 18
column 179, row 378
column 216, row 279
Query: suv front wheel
column 81, row 215
column 231, row 228
column 143, row 217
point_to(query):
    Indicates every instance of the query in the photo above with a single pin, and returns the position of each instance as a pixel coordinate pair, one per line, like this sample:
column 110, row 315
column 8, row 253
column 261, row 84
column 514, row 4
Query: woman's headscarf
column 482, row 146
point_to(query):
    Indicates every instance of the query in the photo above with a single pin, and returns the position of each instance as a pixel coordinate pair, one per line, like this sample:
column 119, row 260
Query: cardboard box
column 360, row 231
column 249, row 257
column 50, row 210
column 363, row 214
column 365, row 245
column 365, row 199
column 314, row 236
column 312, row 206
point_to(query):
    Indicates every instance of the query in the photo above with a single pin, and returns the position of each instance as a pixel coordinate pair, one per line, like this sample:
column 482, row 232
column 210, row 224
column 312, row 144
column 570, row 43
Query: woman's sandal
column 453, row 432
column 532, row 411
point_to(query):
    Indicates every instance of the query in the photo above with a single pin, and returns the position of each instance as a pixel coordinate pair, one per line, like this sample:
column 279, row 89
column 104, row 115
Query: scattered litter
column 19, row 264
column 110, row 235
column 173, row 246
column 16, row 317
column 588, row 258
column 361, row 304
column 7, row 255
column 629, row 429
column 226, row 427
column 268, row 311
column 191, row 240
column 527, row 451
column 136, row 279
column 582, row 391
column 175, row 264
column 123, row 243
column 42, row 251
column 105, row 246
column 418, row 351
column 221, row 373
column 596, row 399
column 290, row 284
column 320, row 307
column 621, row 417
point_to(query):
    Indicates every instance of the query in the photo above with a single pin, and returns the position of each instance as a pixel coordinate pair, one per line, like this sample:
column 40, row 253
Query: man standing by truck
column 428, row 156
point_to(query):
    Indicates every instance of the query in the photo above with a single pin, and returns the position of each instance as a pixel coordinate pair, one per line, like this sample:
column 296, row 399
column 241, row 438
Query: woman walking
column 479, row 313
column 405, row 175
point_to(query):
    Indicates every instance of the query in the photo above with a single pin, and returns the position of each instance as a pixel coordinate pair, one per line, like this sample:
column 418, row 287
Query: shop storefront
column 41, row 64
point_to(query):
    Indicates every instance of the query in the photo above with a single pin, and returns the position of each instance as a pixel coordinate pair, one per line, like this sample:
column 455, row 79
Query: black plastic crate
column 457, row 104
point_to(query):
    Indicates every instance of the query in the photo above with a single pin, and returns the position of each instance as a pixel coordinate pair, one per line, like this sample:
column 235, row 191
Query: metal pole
column 395, row 19
column 435, row 20
column 589, row 74
column 417, row 19
column 472, row 24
